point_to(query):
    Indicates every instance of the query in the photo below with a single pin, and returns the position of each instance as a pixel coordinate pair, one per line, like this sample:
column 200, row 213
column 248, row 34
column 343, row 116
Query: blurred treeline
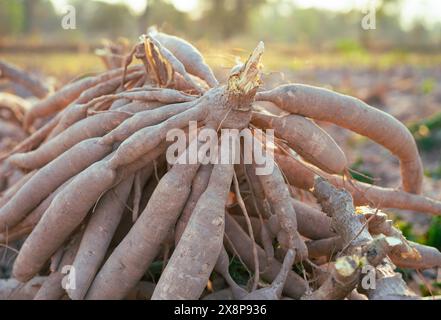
column 218, row 20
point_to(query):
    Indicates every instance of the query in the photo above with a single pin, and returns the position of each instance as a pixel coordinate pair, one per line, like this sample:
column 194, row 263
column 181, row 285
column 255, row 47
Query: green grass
column 431, row 238
column 238, row 272
column 428, row 85
column 427, row 132
column 434, row 173
column 154, row 271
column 434, row 233
column 359, row 174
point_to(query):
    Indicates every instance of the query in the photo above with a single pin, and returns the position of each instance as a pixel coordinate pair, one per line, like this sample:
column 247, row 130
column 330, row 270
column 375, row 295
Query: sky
column 429, row 10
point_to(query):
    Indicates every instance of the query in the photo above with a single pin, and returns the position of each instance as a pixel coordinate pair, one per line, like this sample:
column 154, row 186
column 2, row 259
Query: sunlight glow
column 426, row 10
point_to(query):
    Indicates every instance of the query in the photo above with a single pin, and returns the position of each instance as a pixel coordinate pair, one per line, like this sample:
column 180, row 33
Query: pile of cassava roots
column 96, row 209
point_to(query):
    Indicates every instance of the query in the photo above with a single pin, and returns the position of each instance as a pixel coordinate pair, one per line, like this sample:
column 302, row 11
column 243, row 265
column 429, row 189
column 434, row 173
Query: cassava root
column 98, row 190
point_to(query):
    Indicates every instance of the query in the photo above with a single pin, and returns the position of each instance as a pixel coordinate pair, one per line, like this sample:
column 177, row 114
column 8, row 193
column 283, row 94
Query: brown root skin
column 324, row 247
column 52, row 288
column 260, row 203
column 344, row 277
column 353, row 229
column 12, row 289
column 190, row 57
column 34, row 139
column 222, row 267
column 142, row 291
column 40, row 185
column 126, row 220
column 259, row 207
column 9, row 193
column 295, row 172
column 90, row 127
column 162, row 95
column 15, row 105
column 429, row 258
column 249, row 226
column 267, row 240
column 158, row 172
column 144, row 140
column 301, row 175
column 139, row 182
column 199, row 185
column 198, row 249
column 131, row 258
column 179, row 83
column 97, row 236
column 338, row 204
column 294, row 287
column 10, row 131
column 312, row 223
column 145, row 160
column 66, row 212
column 355, row 295
column 101, row 89
column 73, row 113
column 184, row 205
column 119, row 103
column 30, row 82
column 25, row 226
column 307, row 139
column 229, row 106
column 366, row 194
column 277, row 193
column 274, row 291
column 139, row 106
column 145, row 119
column 66, row 95
column 353, row 114
column 389, row 285
column 56, row 259
column 78, row 110
column 224, row 294
column 408, row 254
column 255, row 223
column 175, row 64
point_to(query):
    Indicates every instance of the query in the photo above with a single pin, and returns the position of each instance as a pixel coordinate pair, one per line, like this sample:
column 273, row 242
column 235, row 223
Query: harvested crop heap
column 100, row 198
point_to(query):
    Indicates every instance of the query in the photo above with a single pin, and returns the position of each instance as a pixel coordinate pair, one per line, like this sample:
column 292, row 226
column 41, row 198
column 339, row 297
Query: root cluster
column 98, row 195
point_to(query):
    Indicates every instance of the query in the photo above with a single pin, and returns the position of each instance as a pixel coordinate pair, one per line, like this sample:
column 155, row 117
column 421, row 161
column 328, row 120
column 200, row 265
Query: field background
column 395, row 67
